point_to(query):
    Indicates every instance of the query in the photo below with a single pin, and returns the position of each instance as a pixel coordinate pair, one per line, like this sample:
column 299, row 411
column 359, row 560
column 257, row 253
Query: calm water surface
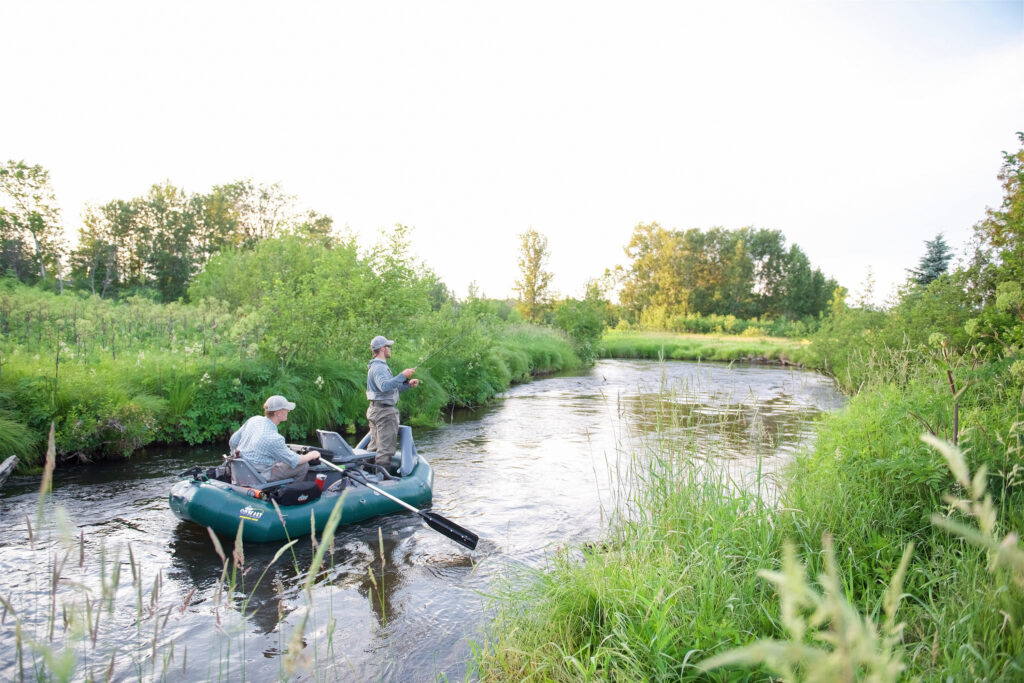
column 538, row 469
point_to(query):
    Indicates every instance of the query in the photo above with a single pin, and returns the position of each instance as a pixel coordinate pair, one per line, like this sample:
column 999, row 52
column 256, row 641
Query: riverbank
column 714, row 347
column 115, row 377
column 681, row 580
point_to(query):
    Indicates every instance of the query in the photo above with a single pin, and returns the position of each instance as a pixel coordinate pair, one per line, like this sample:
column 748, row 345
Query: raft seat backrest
column 406, row 450
column 244, row 474
column 341, row 451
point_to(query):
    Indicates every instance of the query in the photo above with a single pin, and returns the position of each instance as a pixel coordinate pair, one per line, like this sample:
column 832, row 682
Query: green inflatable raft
column 226, row 496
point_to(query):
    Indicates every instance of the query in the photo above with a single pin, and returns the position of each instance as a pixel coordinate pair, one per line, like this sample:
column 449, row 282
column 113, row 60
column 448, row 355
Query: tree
column 315, row 227
column 1001, row 234
column 583, row 321
column 95, row 260
column 260, row 211
column 534, row 280
column 29, row 220
column 934, row 263
column 771, row 264
column 654, row 278
column 171, row 259
column 866, row 296
column 994, row 278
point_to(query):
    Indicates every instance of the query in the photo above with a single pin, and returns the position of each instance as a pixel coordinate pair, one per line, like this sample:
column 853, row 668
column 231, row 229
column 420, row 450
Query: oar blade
column 450, row 529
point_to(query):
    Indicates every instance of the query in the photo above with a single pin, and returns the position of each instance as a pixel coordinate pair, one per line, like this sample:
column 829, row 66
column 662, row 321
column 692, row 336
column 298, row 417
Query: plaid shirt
column 260, row 443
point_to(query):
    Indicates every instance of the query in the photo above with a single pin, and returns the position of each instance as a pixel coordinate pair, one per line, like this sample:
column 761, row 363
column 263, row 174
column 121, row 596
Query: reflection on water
column 539, row 468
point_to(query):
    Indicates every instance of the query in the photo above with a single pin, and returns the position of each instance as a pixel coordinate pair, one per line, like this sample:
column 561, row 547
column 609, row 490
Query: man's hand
column 414, row 382
column 408, row 372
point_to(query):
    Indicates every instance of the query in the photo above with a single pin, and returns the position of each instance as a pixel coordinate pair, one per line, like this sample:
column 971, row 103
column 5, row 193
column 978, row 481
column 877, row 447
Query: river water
column 540, row 468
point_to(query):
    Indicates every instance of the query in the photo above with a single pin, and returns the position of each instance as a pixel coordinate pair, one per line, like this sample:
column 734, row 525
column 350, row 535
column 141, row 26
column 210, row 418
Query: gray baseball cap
column 278, row 403
column 379, row 342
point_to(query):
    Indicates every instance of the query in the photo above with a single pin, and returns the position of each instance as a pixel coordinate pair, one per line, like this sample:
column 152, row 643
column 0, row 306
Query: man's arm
column 384, row 381
column 282, row 452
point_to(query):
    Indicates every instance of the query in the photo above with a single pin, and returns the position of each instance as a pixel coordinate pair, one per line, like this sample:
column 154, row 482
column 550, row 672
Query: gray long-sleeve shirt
column 381, row 386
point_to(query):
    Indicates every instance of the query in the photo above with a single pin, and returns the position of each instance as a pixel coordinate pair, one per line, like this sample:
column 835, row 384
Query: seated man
column 259, row 442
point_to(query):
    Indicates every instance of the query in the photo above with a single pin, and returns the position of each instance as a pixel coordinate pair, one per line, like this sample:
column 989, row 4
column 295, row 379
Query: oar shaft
column 370, row 486
column 433, row 520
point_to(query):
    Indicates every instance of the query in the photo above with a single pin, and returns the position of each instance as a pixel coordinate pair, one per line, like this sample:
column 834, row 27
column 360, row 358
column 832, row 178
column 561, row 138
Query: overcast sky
column 858, row 129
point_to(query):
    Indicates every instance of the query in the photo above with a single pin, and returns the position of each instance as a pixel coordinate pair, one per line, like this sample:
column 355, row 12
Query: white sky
column 859, row 130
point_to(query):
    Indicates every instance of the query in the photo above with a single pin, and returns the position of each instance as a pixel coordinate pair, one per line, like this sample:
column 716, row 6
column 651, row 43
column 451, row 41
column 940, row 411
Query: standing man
column 382, row 391
column 259, row 442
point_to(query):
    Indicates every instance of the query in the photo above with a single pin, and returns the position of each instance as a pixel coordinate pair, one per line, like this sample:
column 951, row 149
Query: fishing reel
column 197, row 473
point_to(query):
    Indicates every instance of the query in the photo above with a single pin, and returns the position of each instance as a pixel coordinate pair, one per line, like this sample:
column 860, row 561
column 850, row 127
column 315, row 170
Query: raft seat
column 340, row 451
column 407, row 455
column 244, row 474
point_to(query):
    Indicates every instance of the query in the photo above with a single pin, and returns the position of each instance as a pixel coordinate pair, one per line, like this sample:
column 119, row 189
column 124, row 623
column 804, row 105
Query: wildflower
column 319, row 382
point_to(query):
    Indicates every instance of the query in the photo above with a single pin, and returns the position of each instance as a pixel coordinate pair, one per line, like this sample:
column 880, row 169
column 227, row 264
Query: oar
column 434, row 521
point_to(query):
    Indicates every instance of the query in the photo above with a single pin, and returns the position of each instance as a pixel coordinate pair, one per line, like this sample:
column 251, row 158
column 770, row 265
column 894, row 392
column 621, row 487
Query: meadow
column 701, row 347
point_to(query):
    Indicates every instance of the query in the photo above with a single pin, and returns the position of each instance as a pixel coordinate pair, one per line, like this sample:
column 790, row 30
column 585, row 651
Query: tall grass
column 668, row 584
column 679, row 587
column 654, row 345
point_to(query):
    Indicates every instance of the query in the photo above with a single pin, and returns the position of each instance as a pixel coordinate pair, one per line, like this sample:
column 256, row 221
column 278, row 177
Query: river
column 539, row 468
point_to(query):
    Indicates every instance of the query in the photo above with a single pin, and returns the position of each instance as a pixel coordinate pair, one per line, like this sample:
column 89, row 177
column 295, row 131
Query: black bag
column 296, row 493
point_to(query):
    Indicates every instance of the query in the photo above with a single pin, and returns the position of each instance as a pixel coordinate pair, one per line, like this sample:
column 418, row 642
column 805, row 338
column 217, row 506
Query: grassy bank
column 117, row 376
column 681, row 580
column 654, row 345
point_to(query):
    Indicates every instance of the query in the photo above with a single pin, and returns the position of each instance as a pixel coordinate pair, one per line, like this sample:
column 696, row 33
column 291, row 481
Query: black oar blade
column 450, row 529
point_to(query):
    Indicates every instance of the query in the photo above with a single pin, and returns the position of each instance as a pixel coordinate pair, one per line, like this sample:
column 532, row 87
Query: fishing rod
column 444, row 347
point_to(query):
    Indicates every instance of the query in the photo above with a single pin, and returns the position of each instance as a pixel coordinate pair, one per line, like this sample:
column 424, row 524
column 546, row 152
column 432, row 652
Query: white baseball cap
column 278, row 403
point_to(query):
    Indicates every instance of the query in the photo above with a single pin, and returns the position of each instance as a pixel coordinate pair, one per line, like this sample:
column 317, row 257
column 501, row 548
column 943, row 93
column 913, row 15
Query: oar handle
column 434, row 521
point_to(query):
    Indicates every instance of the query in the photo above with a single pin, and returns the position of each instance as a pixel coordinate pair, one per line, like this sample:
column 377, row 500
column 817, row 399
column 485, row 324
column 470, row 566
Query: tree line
column 161, row 240
column 675, row 277
column 748, row 273
column 158, row 241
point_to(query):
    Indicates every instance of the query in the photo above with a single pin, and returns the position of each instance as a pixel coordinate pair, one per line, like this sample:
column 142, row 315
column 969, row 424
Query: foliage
column 30, row 228
column 746, row 273
column 115, row 375
column 850, row 648
column 534, row 279
column 583, row 321
column 1001, row 234
column 665, row 586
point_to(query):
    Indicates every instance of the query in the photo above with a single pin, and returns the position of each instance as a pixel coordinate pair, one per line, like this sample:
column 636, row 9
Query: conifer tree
column 934, row 263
